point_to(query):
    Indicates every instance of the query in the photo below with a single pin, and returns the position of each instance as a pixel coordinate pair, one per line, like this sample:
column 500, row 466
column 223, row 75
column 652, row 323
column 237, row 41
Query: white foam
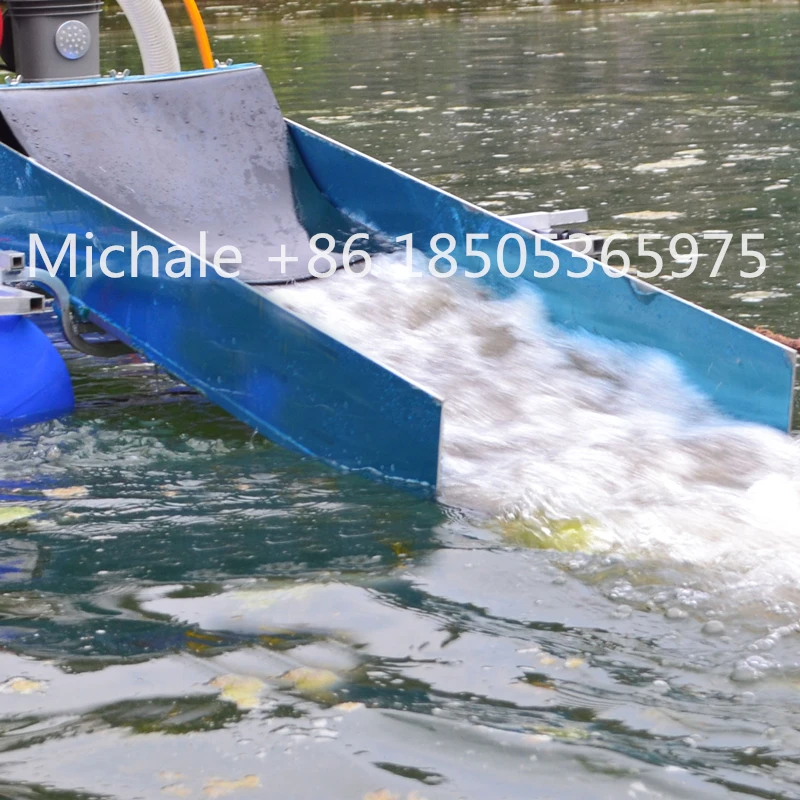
column 544, row 424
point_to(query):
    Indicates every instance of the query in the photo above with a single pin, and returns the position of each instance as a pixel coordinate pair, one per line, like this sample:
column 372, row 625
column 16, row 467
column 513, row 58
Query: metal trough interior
column 198, row 151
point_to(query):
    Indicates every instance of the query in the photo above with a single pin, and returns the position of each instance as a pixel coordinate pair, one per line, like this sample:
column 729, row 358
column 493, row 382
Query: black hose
column 54, row 287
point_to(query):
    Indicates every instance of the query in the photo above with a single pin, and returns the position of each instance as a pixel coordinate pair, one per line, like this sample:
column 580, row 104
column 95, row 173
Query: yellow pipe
column 200, row 35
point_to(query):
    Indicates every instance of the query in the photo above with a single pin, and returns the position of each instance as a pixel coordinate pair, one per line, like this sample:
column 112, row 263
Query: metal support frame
column 16, row 302
column 13, row 300
column 545, row 220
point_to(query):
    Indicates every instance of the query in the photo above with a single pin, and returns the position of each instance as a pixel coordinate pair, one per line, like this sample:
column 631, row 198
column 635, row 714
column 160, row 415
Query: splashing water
column 543, row 426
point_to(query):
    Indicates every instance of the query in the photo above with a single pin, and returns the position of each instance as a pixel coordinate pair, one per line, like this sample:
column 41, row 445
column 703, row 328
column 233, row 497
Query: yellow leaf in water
column 65, row 492
column 561, row 733
column 566, row 535
column 239, row 689
column 401, row 549
column 574, row 663
column 540, row 684
column 311, row 680
column 9, row 514
column 23, row 686
column 348, row 706
column 539, row 738
column 219, row 787
column 176, row 790
column 381, row 794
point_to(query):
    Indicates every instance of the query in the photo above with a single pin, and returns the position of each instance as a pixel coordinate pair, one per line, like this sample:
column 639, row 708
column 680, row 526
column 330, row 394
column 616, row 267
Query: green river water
column 606, row 604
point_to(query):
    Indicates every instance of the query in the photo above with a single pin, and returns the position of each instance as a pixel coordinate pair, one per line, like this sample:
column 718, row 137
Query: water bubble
column 745, row 673
column 758, row 662
column 675, row 613
column 714, row 628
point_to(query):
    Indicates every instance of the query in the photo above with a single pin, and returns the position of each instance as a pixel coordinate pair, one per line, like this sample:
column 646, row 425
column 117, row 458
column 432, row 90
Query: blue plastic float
column 34, row 381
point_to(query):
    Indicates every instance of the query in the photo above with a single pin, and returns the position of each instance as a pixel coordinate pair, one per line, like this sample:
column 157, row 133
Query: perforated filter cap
column 73, row 39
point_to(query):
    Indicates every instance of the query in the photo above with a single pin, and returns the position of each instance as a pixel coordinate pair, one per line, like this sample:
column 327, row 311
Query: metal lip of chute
column 101, row 80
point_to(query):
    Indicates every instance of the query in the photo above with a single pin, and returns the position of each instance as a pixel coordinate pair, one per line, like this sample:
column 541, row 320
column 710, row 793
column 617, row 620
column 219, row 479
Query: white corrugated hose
column 154, row 36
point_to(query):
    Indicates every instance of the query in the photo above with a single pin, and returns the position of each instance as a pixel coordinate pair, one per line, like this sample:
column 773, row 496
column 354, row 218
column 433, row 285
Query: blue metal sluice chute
column 165, row 157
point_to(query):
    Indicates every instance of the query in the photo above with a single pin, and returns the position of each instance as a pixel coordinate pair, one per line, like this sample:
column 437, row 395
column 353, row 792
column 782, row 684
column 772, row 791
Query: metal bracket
column 11, row 261
column 544, row 220
column 578, row 244
column 14, row 302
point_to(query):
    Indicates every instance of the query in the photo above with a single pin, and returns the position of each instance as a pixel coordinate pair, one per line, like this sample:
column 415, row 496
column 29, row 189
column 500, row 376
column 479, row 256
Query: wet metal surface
column 204, row 155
